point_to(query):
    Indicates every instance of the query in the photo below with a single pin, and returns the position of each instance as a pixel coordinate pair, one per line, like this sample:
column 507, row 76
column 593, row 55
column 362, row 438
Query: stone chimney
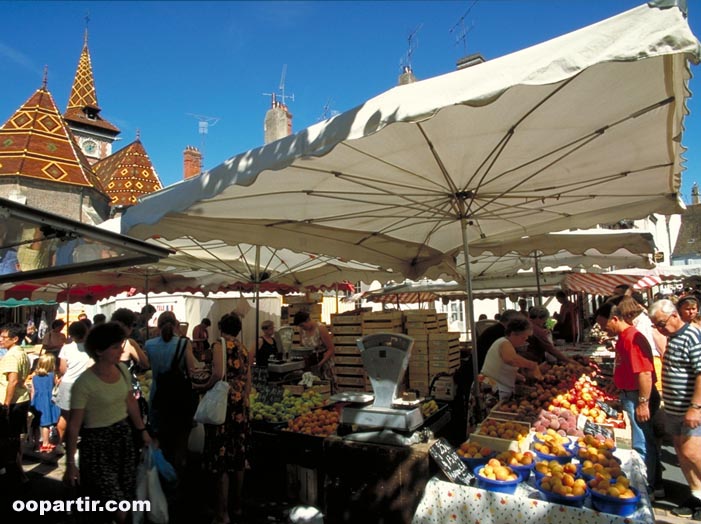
column 407, row 76
column 695, row 194
column 192, row 162
column 469, row 61
column 277, row 123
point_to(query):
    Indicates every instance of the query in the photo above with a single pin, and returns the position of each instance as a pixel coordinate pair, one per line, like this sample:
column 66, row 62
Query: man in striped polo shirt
column 681, row 393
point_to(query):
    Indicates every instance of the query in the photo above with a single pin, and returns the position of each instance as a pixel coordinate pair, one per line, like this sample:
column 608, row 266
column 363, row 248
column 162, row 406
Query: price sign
column 610, row 412
column 591, row 428
column 449, row 461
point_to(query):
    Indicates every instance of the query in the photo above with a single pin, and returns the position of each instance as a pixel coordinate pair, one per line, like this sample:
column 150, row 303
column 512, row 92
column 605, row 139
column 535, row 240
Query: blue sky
column 158, row 63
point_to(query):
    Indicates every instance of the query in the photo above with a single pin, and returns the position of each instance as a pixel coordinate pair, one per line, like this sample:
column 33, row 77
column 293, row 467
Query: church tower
column 93, row 133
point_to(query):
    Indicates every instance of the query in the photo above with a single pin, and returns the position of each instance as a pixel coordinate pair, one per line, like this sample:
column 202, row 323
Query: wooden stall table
column 447, row 502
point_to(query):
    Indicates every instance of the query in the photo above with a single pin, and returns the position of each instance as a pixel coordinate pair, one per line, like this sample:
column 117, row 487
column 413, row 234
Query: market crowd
column 657, row 363
column 115, row 389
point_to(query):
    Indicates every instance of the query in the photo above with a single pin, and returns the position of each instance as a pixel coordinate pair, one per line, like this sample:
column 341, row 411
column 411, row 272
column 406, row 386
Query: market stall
column 447, row 502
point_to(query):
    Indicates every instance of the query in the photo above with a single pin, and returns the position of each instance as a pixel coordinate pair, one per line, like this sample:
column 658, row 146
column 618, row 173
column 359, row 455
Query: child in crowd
column 42, row 387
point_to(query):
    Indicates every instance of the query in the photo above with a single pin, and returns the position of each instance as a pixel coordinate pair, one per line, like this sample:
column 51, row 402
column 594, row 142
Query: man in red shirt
column 634, row 376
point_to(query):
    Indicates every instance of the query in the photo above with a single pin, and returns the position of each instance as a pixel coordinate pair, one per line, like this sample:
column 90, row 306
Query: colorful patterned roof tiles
column 36, row 142
column 128, row 174
column 82, row 103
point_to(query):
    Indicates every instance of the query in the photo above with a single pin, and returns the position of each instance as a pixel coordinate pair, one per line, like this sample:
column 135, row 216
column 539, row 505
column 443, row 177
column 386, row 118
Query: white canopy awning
column 576, row 131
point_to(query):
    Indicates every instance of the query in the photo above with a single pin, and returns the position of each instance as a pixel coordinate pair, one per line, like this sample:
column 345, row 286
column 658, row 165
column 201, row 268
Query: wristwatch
column 695, row 406
column 643, row 400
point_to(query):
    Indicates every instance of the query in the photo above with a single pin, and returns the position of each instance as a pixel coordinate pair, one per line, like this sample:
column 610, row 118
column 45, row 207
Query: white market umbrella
column 580, row 130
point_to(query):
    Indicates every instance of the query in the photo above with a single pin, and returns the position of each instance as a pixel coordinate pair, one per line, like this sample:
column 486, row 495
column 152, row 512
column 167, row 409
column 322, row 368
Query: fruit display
column 552, row 437
column 556, row 449
column 503, row 429
column 320, row 423
column 429, row 408
column 525, row 409
column 515, row 458
column 564, row 484
column 494, row 470
column 581, row 399
column 607, row 471
column 548, row 468
column 289, row 407
column 597, row 441
column 618, row 487
column 473, row 450
column 596, row 455
column 560, row 420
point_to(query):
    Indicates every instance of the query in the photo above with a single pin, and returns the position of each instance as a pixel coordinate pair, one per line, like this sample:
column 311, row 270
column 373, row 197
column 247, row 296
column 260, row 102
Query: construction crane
column 205, row 122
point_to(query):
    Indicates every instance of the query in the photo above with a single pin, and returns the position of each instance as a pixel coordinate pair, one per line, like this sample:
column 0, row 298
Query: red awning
column 604, row 283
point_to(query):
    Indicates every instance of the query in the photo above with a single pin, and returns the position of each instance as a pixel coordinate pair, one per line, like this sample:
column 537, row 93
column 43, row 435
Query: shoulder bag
column 212, row 408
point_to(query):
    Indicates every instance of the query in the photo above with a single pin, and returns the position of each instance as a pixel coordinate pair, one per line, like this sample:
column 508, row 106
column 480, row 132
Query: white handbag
column 212, row 407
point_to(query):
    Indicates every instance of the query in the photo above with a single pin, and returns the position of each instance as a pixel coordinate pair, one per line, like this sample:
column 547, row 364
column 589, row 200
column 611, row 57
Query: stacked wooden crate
column 418, row 324
column 443, row 353
column 346, row 330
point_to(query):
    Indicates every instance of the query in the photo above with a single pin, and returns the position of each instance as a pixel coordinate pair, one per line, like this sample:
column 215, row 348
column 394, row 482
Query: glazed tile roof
column 36, row 142
column 127, row 175
column 82, row 102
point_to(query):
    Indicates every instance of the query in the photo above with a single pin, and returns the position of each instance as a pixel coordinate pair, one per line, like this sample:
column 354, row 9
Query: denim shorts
column 675, row 426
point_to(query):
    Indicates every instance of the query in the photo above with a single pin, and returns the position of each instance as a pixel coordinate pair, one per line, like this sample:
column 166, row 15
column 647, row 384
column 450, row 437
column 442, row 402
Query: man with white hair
column 681, row 392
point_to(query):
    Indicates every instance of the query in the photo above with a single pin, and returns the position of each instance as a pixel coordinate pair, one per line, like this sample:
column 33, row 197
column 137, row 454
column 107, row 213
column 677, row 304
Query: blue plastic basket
column 499, row 486
column 472, row 463
column 539, row 475
column 561, row 459
column 615, row 505
column 575, row 501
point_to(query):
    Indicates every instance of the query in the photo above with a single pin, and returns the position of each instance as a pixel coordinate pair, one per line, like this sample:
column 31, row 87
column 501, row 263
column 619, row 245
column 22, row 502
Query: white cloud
column 20, row 59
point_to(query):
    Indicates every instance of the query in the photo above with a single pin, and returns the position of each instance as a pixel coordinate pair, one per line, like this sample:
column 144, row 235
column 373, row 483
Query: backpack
column 174, row 399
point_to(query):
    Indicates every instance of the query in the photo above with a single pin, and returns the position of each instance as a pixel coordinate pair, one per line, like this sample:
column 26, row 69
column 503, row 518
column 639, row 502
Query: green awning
column 13, row 302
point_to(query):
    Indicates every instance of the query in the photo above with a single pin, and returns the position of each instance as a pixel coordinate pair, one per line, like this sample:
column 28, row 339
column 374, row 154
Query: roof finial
column 87, row 22
column 45, row 80
column 138, row 134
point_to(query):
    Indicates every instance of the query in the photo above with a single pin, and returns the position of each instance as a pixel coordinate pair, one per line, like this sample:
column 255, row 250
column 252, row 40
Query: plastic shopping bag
column 148, row 487
column 165, row 469
column 212, row 408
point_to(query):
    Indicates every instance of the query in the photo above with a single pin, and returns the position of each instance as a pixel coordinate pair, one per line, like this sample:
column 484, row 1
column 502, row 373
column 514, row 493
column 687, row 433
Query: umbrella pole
column 68, row 306
column 537, row 278
column 146, row 289
column 257, row 290
column 469, row 313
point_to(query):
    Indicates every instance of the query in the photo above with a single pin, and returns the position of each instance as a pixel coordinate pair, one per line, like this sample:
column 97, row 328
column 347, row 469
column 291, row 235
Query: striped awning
column 604, row 283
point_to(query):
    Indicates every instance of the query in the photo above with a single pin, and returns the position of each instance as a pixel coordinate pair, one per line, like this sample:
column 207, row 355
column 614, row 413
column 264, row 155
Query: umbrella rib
column 364, row 180
column 501, row 145
column 585, row 139
column 395, row 166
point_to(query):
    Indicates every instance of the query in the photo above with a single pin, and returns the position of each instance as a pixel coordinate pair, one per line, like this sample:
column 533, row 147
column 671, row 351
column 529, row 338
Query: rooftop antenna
column 205, row 122
column 281, row 88
column 460, row 30
column 327, row 111
column 412, row 45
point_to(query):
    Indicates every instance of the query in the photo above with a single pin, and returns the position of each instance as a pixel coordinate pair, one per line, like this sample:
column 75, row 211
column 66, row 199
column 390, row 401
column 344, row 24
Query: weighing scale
column 385, row 359
column 283, row 341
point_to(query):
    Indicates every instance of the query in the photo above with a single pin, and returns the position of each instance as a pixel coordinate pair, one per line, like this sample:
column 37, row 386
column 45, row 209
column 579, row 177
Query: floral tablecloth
column 446, row 502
